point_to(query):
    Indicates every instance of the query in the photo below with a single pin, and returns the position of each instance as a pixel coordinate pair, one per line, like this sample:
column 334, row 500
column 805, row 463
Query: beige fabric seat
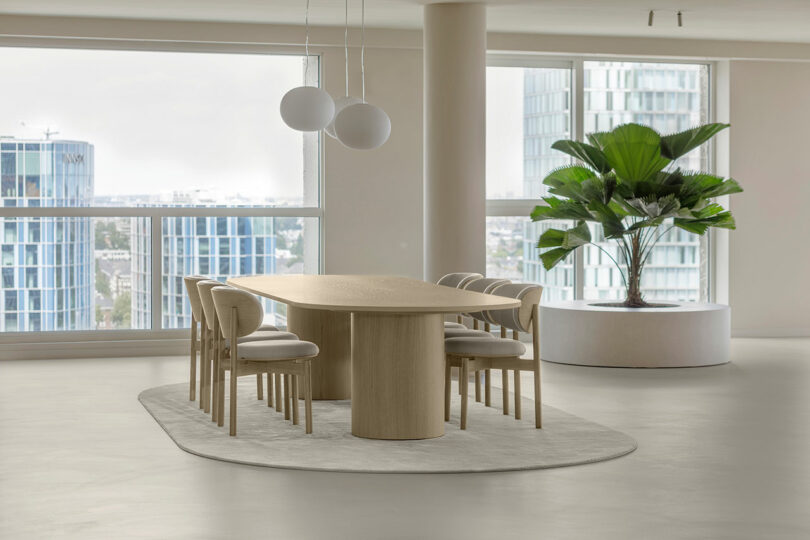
column 262, row 335
column 465, row 332
column 276, row 349
column 474, row 347
column 239, row 314
column 267, row 327
column 485, row 354
column 454, row 325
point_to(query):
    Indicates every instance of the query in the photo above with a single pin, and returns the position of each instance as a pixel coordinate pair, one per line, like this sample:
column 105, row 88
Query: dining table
column 381, row 342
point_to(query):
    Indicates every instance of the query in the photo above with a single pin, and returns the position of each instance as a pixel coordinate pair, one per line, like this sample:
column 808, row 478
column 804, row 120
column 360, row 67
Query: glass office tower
column 46, row 263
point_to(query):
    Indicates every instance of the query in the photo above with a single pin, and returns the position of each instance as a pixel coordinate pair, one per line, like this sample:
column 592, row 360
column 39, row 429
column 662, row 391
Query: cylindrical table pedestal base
column 397, row 375
column 331, row 332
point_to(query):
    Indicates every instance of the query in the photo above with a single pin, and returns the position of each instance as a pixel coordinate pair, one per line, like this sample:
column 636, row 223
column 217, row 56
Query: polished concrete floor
column 724, row 452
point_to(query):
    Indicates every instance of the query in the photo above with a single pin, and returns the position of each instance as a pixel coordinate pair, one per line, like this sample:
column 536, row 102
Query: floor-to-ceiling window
column 125, row 170
column 532, row 102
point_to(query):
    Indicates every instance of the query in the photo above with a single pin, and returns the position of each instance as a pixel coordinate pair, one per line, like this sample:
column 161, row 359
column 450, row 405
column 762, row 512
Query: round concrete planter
column 688, row 335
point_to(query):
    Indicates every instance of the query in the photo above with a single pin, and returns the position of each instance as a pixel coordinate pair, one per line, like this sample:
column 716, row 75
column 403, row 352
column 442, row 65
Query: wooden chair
column 457, row 280
column 215, row 343
column 239, row 314
column 197, row 317
column 475, row 354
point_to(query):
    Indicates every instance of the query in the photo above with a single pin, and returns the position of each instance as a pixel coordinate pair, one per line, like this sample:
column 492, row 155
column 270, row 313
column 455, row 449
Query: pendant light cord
column 346, row 46
column 362, row 47
column 306, row 46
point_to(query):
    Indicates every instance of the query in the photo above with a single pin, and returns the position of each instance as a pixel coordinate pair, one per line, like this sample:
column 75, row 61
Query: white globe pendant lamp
column 362, row 126
column 343, row 102
column 307, row 108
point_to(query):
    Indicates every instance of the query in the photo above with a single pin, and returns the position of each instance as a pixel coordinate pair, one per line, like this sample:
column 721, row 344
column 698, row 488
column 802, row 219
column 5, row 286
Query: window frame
column 576, row 63
column 156, row 213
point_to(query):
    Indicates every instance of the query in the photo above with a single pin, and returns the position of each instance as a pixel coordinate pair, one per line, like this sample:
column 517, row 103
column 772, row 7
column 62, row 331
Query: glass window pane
column 669, row 98
column 292, row 247
column 527, row 110
column 511, row 254
column 175, row 126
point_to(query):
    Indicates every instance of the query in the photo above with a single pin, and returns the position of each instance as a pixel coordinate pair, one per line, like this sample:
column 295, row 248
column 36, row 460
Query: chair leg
column 459, row 380
column 517, row 395
column 269, row 389
column 203, row 361
column 294, row 385
column 233, row 379
column 209, row 363
column 505, row 384
column 464, row 381
column 477, row 386
column 260, row 386
column 192, row 379
column 487, row 388
column 308, row 394
column 279, row 393
column 286, row 397
column 220, row 404
column 538, row 404
column 447, row 370
column 215, row 391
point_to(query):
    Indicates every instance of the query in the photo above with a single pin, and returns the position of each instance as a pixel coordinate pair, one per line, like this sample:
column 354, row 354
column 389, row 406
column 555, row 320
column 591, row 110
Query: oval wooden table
column 381, row 341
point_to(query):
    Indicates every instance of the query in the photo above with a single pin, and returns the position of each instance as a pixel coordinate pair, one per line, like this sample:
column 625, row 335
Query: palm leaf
column 634, row 152
column 551, row 257
column 678, row 144
column 590, row 155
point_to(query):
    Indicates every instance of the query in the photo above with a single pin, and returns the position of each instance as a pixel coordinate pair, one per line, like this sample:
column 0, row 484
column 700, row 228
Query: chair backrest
column 194, row 295
column 519, row 318
column 207, row 301
column 486, row 286
column 458, row 280
column 247, row 308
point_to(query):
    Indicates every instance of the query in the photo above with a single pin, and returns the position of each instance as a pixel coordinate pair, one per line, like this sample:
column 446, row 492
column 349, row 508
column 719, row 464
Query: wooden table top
column 369, row 293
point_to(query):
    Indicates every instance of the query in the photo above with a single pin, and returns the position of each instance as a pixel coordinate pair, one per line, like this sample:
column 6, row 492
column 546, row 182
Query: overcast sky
column 163, row 121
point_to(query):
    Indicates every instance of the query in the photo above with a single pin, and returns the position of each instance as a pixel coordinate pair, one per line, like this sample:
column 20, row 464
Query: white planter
column 687, row 335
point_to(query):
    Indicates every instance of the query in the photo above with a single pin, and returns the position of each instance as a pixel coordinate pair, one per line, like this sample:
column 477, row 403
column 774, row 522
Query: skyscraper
column 47, row 263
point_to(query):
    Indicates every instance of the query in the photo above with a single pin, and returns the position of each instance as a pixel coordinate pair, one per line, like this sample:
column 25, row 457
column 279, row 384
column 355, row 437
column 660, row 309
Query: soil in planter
column 622, row 305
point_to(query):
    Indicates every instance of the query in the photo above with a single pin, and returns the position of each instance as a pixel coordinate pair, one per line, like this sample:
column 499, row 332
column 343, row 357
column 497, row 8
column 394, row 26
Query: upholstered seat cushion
column 263, row 335
column 468, row 346
column 278, row 349
column 267, row 327
column 453, row 325
column 465, row 332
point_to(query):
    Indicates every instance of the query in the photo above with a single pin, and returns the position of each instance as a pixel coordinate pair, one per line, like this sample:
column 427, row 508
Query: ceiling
column 753, row 20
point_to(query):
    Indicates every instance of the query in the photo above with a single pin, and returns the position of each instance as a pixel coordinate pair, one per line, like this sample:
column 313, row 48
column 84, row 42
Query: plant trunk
column 634, row 267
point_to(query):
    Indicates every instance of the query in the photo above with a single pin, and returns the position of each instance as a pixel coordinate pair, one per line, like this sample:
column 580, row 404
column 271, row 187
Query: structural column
column 455, row 46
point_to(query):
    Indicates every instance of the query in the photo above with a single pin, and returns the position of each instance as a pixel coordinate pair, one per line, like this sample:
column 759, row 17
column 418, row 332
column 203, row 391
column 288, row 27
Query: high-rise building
column 46, row 262
column 667, row 97
column 218, row 247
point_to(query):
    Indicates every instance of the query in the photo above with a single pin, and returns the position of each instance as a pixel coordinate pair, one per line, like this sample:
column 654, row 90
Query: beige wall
column 769, row 253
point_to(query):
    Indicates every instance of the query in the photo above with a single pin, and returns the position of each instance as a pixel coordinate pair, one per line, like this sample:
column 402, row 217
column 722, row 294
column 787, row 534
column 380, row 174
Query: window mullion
column 578, row 132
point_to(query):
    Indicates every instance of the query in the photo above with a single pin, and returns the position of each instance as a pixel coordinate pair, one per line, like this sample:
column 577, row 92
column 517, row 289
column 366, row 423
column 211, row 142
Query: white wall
column 769, row 253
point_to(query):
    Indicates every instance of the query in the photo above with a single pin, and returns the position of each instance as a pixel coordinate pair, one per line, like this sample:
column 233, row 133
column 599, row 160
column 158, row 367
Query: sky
column 161, row 121
column 164, row 121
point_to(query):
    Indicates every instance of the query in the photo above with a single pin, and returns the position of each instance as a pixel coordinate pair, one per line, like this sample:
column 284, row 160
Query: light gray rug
column 492, row 441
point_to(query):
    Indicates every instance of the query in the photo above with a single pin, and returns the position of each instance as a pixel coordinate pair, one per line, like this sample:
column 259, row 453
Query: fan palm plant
column 627, row 180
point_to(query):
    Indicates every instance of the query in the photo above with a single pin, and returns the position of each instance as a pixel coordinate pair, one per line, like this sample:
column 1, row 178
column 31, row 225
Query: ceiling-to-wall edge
column 25, row 30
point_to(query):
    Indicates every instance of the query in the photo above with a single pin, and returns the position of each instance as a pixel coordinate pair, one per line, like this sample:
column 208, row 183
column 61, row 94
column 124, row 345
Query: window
column 190, row 162
column 531, row 104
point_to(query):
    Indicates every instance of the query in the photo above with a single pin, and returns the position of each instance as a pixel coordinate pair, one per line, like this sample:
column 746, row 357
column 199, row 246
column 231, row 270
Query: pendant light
column 343, row 102
column 362, row 126
column 307, row 108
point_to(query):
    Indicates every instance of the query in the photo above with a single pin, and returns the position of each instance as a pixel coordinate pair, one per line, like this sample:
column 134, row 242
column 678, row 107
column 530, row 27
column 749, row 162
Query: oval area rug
column 491, row 442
